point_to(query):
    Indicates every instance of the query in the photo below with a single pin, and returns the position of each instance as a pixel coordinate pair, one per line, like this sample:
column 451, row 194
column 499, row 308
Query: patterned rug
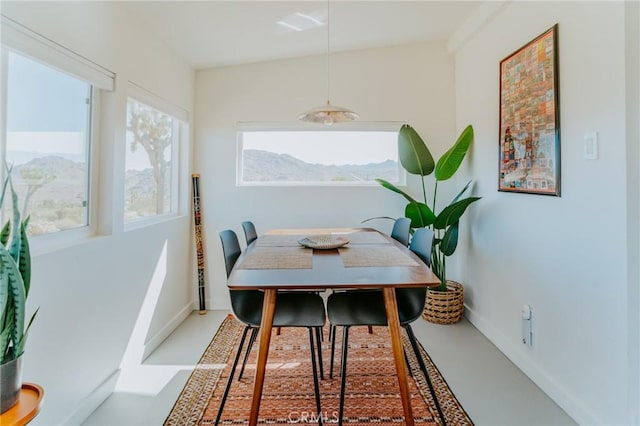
column 288, row 397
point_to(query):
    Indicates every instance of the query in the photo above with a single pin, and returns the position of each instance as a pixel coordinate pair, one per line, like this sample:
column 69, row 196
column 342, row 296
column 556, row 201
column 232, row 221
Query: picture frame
column 529, row 141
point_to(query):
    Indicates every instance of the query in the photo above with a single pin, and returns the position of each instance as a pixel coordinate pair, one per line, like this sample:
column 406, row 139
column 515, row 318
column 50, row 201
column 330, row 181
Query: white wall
column 567, row 256
column 90, row 294
column 412, row 84
column 632, row 29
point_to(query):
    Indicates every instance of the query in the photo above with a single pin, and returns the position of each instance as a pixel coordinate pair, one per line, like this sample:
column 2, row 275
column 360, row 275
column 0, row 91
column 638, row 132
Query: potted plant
column 15, row 279
column 444, row 304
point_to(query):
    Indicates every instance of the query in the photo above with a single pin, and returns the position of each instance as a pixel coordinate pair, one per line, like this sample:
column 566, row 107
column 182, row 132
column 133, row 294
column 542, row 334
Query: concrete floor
column 493, row 391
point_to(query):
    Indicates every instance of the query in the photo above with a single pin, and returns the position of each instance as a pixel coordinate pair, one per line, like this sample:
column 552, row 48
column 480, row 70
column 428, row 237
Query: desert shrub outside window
column 47, row 140
column 151, row 162
column 345, row 155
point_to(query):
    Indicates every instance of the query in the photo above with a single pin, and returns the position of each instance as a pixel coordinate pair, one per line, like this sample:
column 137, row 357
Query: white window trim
column 180, row 129
column 45, row 243
column 26, row 42
column 141, row 94
column 275, row 127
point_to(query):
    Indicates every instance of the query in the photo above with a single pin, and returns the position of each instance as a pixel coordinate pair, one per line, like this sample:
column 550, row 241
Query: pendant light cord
column 328, row 51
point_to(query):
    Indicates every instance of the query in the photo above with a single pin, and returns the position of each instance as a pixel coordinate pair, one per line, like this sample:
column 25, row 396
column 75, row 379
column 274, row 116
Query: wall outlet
column 527, row 333
column 591, row 146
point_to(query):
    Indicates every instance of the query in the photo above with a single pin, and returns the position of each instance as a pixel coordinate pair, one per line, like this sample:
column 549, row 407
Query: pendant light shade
column 328, row 114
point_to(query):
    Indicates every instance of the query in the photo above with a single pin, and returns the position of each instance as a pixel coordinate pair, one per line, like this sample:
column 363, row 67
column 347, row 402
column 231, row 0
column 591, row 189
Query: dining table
column 276, row 261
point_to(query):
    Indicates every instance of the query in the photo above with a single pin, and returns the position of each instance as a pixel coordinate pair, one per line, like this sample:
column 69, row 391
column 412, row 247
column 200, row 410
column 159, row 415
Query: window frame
column 360, row 126
column 180, row 119
column 24, row 42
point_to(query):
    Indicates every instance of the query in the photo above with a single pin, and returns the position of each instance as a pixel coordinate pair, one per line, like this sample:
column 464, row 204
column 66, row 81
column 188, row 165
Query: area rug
column 372, row 395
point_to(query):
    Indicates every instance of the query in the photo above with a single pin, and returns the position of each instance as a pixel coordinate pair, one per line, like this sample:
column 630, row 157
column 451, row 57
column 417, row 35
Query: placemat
column 365, row 256
column 278, row 258
column 367, row 237
column 278, row 240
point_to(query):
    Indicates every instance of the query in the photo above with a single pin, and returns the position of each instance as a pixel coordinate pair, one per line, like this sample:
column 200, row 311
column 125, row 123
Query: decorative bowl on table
column 323, row 242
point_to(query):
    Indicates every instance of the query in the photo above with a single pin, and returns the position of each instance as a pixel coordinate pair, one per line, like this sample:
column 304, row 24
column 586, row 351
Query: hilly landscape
column 264, row 166
column 53, row 191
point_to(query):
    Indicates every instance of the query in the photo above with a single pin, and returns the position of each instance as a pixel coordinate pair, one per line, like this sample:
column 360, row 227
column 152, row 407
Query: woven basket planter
column 445, row 307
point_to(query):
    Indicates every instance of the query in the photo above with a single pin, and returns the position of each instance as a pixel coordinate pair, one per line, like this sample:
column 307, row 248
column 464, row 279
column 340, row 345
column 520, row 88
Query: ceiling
column 219, row 33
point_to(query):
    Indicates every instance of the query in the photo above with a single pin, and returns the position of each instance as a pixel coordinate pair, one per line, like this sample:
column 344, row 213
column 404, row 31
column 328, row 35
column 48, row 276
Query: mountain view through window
column 48, row 116
column 320, row 157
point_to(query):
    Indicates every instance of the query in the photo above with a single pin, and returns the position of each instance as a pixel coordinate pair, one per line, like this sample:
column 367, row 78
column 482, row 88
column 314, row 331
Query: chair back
column 421, row 244
column 230, row 249
column 245, row 304
column 411, row 300
column 401, row 230
column 249, row 232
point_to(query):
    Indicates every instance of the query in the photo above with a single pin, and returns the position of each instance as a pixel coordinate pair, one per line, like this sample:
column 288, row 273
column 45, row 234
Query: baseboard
column 93, row 401
column 155, row 341
column 574, row 408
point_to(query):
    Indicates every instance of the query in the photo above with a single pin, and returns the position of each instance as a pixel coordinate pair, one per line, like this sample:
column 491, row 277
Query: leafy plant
column 15, row 279
column 416, row 159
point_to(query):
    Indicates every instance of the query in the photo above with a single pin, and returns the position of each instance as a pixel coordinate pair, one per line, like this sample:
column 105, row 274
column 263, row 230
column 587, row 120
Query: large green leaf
column 450, row 161
column 414, row 155
column 5, row 338
column 24, row 265
column 21, row 343
column 452, row 213
column 5, row 334
column 420, row 214
column 462, row 191
column 16, row 241
column 394, row 188
column 4, row 234
column 378, row 217
column 9, row 269
column 450, row 240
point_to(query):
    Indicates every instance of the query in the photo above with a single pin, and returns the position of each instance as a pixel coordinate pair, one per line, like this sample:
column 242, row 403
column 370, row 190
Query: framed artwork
column 530, row 119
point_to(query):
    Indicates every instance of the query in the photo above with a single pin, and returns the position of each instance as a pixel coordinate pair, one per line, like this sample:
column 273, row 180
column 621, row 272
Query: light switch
column 591, row 146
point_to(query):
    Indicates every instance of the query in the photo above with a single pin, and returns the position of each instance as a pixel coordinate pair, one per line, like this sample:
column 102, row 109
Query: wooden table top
column 328, row 270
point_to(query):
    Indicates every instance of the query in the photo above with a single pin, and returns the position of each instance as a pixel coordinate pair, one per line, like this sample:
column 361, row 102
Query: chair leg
column 319, row 340
column 343, row 371
column 423, row 367
column 332, row 338
column 370, row 329
column 316, row 387
column 277, row 331
column 406, row 360
column 252, row 340
column 233, row 371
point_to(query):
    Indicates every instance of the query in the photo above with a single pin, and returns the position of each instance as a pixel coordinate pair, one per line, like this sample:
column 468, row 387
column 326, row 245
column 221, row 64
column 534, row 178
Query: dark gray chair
column 293, row 309
column 250, row 233
column 357, row 308
column 401, row 230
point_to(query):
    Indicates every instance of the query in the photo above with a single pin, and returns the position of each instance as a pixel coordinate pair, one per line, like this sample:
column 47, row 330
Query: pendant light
column 328, row 114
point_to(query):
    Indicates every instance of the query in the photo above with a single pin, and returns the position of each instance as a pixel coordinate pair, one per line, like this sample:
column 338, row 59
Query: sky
column 48, row 114
column 327, row 147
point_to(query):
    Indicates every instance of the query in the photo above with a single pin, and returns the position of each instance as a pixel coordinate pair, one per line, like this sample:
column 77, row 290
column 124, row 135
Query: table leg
column 268, row 309
column 391, row 306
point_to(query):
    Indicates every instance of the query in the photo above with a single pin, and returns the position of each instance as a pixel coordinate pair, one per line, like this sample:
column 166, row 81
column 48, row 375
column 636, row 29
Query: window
column 151, row 161
column 48, row 98
column 311, row 156
column 47, row 139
